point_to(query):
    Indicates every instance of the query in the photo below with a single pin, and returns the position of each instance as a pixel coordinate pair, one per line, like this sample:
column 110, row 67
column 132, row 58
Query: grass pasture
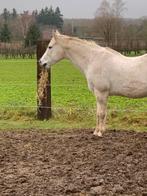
column 73, row 104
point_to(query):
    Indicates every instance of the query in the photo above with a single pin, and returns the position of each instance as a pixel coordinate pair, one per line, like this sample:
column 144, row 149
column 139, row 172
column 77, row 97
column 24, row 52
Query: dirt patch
column 39, row 163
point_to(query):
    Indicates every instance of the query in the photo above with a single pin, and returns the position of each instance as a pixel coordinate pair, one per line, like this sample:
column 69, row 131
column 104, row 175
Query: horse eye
column 50, row 47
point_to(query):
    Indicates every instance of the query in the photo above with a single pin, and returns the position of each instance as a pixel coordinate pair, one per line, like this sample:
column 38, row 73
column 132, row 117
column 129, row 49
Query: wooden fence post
column 43, row 109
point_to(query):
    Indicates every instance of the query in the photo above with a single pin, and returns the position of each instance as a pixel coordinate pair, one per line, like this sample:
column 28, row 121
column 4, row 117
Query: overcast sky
column 75, row 8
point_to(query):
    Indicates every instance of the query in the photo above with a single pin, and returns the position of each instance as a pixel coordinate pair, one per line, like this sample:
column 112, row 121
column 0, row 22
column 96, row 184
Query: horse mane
column 113, row 51
column 90, row 43
column 82, row 41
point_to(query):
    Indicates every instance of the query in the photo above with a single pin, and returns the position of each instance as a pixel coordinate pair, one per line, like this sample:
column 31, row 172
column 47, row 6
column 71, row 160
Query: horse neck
column 79, row 54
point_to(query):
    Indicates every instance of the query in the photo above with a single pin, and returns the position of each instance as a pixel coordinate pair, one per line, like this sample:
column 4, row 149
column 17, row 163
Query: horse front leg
column 101, row 113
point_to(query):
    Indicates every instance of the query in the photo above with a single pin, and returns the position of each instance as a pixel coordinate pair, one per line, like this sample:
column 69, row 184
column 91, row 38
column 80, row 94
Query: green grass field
column 73, row 104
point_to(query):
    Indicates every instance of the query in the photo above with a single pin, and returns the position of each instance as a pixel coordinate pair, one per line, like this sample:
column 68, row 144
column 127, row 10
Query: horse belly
column 131, row 89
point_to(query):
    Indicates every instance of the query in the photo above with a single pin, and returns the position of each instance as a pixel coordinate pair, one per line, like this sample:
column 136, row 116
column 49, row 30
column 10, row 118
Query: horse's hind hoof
column 98, row 134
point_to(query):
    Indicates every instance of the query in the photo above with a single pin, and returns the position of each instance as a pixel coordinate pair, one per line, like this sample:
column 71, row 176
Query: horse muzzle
column 42, row 64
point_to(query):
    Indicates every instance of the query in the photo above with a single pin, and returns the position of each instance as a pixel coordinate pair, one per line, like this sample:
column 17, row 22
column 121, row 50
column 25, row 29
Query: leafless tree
column 25, row 20
column 104, row 21
column 108, row 20
column 118, row 8
column 143, row 33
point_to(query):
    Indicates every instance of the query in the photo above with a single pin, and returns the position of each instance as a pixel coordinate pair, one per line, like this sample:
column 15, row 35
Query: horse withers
column 107, row 71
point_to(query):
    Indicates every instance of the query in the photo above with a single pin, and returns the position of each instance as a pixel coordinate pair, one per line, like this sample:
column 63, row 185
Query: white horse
column 107, row 72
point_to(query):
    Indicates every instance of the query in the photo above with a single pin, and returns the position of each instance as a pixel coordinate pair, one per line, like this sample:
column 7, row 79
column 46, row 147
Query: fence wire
column 64, row 108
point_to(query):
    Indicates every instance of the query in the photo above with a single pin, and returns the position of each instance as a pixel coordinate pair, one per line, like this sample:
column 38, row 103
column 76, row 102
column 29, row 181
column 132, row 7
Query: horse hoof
column 99, row 134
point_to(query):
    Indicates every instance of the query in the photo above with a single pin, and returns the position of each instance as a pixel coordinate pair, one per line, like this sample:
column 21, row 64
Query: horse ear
column 56, row 34
column 53, row 33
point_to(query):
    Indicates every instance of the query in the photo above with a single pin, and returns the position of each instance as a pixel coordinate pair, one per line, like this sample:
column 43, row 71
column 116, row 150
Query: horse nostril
column 44, row 65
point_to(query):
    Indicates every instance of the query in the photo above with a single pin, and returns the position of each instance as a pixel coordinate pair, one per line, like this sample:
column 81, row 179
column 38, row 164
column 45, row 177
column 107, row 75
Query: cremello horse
column 107, row 72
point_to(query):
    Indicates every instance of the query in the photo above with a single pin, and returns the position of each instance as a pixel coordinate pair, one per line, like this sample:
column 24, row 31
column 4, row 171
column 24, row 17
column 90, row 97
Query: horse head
column 53, row 53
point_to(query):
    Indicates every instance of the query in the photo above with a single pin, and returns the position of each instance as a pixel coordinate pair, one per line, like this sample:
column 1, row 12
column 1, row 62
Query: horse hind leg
column 101, row 113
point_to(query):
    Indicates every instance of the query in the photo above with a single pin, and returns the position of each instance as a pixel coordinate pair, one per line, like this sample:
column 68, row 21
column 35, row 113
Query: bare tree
column 108, row 20
column 118, row 8
column 143, row 33
column 104, row 21
column 26, row 20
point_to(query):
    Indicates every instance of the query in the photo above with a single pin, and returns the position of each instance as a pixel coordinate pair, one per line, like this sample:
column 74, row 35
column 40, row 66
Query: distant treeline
column 18, row 53
column 51, row 17
column 107, row 26
column 27, row 26
column 16, row 50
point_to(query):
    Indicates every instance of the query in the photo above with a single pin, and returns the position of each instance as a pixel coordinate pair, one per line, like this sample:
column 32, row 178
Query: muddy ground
column 40, row 163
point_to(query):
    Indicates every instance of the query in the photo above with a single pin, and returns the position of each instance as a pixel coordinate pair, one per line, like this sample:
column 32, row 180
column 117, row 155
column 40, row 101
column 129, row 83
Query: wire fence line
column 35, row 83
column 65, row 108
column 23, row 84
column 59, row 108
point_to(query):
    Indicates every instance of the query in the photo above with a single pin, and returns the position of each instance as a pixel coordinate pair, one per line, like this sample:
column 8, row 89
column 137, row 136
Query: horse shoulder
column 97, row 78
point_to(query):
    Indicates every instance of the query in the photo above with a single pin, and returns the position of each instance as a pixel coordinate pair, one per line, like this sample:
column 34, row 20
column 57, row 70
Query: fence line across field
column 75, row 85
column 44, row 110
column 71, row 108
